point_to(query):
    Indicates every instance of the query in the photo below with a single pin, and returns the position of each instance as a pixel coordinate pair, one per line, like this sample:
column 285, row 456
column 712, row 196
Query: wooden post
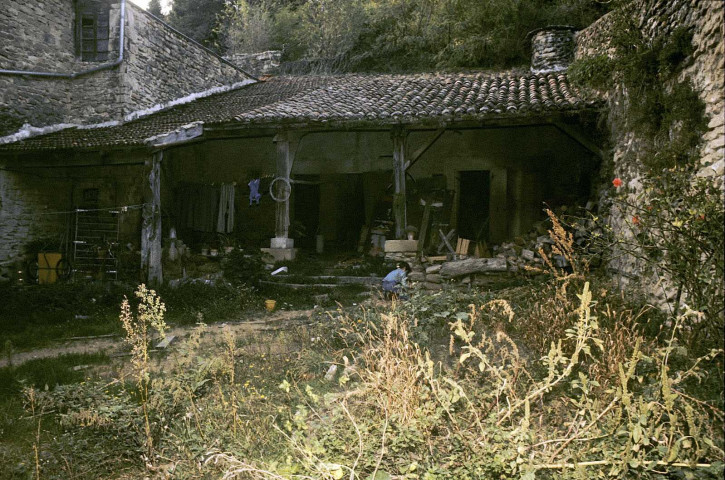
column 423, row 232
column 498, row 206
column 399, row 198
column 151, row 225
column 287, row 143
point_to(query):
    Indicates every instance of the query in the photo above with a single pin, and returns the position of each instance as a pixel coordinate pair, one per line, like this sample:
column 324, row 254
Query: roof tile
column 344, row 98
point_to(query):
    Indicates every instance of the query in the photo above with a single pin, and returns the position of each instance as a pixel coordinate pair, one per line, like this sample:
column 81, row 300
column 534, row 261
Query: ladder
column 95, row 242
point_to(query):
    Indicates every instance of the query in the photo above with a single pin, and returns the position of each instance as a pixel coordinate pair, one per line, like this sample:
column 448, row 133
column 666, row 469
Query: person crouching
column 395, row 283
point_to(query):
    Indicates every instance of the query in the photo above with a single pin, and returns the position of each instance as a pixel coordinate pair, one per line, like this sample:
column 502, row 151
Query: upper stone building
column 93, row 61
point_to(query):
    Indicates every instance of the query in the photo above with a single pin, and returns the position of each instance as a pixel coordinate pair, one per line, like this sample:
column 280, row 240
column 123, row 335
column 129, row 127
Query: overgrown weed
column 559, row 380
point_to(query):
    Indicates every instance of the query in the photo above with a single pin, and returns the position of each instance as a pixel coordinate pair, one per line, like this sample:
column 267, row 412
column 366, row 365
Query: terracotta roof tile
column 343, row 99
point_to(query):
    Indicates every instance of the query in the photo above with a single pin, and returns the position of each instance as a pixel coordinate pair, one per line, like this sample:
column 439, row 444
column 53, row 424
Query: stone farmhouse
column 117, row 129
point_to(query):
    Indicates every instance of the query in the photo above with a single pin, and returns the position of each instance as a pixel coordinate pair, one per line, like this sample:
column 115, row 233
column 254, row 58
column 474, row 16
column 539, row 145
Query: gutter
column 105, row 66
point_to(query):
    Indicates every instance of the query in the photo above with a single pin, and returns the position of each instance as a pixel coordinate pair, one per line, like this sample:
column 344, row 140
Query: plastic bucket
column 270, row 304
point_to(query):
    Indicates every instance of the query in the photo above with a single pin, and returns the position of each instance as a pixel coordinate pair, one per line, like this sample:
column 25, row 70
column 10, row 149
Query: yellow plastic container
column 47, row 263
column 270, row 304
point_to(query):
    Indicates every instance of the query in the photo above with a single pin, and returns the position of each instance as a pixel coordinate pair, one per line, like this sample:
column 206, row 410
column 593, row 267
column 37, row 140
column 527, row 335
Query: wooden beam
column 419, row 153
column 399, row 137
column 577, row 135
column 181, row 135
column 151, row 223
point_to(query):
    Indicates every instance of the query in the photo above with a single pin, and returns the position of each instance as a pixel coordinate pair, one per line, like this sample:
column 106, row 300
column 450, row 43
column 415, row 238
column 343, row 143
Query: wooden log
column 460, row 268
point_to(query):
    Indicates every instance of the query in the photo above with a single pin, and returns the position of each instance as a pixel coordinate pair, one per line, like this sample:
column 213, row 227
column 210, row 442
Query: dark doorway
column 306, row 210
column 473, row 205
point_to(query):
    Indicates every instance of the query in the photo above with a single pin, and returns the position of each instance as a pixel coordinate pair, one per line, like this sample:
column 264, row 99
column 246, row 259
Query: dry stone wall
column 705, row 70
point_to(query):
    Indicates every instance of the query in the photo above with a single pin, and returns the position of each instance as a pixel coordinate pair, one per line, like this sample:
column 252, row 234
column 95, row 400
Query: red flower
column 617, row 182
column 635, row 220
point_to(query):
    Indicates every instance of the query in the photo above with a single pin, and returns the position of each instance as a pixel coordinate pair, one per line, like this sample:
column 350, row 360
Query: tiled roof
column 410, row 98
column 380, row 99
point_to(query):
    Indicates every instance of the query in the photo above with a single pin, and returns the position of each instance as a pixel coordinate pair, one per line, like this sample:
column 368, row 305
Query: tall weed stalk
column 149, row 315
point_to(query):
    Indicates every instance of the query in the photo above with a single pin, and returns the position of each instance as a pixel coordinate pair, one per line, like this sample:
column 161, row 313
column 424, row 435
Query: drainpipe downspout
column 105, row 66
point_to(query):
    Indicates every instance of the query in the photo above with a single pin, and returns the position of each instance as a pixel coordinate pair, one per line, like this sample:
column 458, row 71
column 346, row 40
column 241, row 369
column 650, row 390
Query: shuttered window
column 92, row 30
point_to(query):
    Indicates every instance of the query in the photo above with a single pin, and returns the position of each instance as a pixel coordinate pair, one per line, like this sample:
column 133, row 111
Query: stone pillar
column 498, row 206
column 399, row 198
column 151, row 225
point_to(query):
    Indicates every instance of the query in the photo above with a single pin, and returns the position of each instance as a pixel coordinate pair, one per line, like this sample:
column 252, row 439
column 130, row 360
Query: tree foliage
column 198, row 19
column 382, row 35
column 154, row 8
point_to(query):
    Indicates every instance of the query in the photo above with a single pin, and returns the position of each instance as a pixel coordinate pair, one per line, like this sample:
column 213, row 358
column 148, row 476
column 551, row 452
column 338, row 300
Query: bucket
column 270, row 304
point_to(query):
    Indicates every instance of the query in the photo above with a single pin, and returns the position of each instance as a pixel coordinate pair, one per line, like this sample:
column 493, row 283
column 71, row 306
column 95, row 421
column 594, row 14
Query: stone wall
column 32, row 202
column 159, row 65
column 705, row 69
column 35, row 36
column 660, row 18
column 264, row 63
column 164, row 65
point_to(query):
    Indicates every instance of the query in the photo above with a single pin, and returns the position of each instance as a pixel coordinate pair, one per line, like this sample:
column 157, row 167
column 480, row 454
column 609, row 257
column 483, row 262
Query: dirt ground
column 114, row 346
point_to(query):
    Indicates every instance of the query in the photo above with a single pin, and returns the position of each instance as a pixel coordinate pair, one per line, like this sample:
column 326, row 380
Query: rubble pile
column 516, row 257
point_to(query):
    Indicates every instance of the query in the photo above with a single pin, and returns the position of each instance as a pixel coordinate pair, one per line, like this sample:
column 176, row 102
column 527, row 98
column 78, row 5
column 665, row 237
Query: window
column 91, row 30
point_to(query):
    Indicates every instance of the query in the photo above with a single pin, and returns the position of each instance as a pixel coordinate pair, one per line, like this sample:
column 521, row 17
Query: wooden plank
column 462, row 246
column 364, row 234
column 579, row 136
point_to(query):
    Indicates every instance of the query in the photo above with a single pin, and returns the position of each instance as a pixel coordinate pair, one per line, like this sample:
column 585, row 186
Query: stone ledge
column 401, row 246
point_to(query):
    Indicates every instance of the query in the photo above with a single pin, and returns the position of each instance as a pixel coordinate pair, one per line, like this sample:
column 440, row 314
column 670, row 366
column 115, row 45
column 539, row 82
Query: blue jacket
column 397, row 278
